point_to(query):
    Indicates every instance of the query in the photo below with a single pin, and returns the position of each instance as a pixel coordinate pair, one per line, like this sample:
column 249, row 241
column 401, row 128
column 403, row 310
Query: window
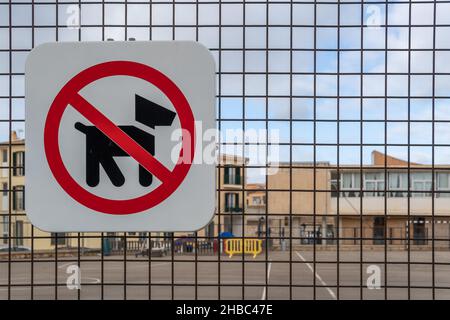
column 209, row 232
column 5, row 189
column 374, row 183
column 19, row 198
column 334, row 184
column 419, row 231
column 18, row 233
column 379, row 224
column 4, row 155
column 232, row 175
column 232, row 202
column 421, row 181
column 443, row 184
column 19, row 163
column 257, row 201
column 58, row 238
column 398, row 184
column 350, row 184
column 5, row 229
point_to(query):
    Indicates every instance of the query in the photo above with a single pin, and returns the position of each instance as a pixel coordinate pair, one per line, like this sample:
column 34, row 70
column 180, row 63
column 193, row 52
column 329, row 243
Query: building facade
column 388, row 200
column 228, row 218
column 231, row 181
column 12, row 181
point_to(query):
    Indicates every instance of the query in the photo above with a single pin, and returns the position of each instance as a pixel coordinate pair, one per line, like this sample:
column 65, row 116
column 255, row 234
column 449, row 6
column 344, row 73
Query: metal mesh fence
column 349, row 202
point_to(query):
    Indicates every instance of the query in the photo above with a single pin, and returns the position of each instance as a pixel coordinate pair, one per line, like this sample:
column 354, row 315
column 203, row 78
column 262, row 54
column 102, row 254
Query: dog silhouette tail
column 81, row 127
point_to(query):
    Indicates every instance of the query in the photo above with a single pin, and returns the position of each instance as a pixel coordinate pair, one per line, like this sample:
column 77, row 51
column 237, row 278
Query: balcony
column 232, row 180
column 233, row 209
column 394, row 206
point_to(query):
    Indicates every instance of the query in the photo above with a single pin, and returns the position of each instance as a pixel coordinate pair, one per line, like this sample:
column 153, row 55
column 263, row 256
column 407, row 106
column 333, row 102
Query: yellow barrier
column 253, row 246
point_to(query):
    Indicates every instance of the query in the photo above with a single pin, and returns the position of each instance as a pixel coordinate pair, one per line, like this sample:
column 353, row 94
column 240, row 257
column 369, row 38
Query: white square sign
column 116, row 136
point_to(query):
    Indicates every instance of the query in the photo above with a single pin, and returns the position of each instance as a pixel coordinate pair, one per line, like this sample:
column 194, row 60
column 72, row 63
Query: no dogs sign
column 114, row 136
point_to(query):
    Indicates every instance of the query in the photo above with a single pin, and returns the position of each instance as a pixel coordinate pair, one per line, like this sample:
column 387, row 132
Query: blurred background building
column 302, row 204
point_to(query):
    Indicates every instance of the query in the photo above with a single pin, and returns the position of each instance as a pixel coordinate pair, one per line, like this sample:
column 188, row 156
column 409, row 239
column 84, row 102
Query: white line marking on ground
column 67, row 264
column 94, row 280
column 269, row 267
column 317, row 276
column 83, row 281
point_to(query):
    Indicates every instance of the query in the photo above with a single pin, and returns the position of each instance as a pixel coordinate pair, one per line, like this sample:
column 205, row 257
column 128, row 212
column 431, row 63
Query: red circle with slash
column 69, row 94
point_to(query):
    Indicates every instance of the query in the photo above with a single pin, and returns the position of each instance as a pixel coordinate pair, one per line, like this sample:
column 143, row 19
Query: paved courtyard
column 238, row 278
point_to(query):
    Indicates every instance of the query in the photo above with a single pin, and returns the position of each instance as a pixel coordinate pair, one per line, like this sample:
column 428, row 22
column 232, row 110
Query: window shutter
column 14, row 199
column 226, row 175
column 238, row 175
column 23, row 198
column 227, row 197
column 15, row 163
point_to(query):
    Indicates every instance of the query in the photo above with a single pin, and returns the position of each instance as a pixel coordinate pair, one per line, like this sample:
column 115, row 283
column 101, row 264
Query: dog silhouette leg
column 92, row 169
column 92, row 161
column 145, row 177
column 113, row 171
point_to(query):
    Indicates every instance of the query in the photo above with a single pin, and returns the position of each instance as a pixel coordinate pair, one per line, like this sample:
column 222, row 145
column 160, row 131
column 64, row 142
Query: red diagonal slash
column 69, row 95
column 124, row 141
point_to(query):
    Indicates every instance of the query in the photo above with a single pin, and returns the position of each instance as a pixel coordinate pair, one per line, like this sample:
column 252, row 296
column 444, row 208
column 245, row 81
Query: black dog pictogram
column 100, row 150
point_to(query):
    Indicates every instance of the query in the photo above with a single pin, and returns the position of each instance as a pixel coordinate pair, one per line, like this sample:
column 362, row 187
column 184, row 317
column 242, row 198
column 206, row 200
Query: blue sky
column 249, row 44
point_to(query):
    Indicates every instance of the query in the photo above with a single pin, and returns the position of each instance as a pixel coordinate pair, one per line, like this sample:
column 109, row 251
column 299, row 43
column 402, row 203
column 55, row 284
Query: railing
column 251, row 246
column 232, row 181
column 233, row 209
column 202, row 247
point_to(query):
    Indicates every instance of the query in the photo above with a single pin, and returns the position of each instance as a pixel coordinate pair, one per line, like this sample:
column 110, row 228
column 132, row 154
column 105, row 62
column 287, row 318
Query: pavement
column 283, row 275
